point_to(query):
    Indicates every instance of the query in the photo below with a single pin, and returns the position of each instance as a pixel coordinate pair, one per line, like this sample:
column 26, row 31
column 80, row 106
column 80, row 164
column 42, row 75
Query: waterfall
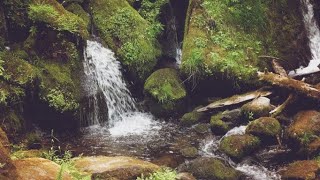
column 103, row 74
column 314, row 40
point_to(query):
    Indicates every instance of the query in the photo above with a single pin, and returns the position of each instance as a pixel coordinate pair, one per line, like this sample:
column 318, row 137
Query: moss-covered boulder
column 56, row 16
column 202, row 128
column 166, row 91
column 264, row 127
column 239, row 146
column 128, row 34
column 302, row 170
column 218, row 126
column 305, row 128
column 257, row 108
column 210, row 168
column 189, row 152
column 191, row 118
column 102, row 167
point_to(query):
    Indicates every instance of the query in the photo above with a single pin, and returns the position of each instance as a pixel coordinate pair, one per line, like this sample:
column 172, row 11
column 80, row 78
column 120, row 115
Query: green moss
column 191, row 118
column 264, row 127
column 217, row 125
column 78, row 10
column 16, row 69
column 216, row 44
column 53, row 13
column 165, row 86
column 239, row 146
column 190, row 152
column 127, row 33
column 12, row 122
column 58, row 86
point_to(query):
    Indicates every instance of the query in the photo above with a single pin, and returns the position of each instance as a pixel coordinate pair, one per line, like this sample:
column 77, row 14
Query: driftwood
column 236, row 99
column 291, row 84
column 281, row 71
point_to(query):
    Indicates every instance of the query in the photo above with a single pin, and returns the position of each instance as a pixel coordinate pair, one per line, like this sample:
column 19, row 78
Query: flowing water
column 314, row 40
column 250, row 168
column 132, row 132
column 103, row 74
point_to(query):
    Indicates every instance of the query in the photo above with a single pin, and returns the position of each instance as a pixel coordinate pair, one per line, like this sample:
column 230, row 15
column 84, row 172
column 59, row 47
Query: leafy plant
column 163, row 174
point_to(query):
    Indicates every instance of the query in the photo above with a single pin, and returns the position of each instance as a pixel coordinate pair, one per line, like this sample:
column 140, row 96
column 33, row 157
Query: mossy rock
column 191, row 118
column 302, row 170
column 239, row 146
column 22, row 154
column 217, row 125
column 128, row 34
column 56, row 16
column 166, row 88
column 189, row 152
column 264, row 127
column 210, row 168
column 202, row 128
column 257, row 108
column 13, row 122
column 305, row 128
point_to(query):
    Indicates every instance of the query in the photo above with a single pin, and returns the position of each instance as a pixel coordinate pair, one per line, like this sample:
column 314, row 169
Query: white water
column 103, row 72
column 252, row 170
column 179, row 55
column 314, row 40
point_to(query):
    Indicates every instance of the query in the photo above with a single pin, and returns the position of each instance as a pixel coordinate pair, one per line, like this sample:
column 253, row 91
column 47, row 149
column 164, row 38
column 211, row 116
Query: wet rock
column 314, row 147
column 189, row 152
column 202, row 128
column 114, row 167
column 210, row 168
column 166, row 93
column 231, row 116
column 185, row 176
column 191, row 118
column 239, row 146
column 265, row 128
column 305, row 127
column 302, row 170
column 38, row 169
column 257, row 108
column 218, row 126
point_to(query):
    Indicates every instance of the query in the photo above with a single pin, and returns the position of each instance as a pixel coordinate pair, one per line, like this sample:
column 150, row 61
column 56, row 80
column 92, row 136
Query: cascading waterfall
column 252, row 170
column 314, row 40
column 103, row 72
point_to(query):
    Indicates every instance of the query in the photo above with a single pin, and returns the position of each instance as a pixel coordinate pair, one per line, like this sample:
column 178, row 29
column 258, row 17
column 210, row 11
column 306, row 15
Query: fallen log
column 278, row 68
column 236, row 99
column 291, row 84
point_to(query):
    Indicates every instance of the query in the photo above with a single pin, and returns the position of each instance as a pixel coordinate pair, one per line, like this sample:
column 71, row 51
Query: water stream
column 314, row 40
column 103, row 73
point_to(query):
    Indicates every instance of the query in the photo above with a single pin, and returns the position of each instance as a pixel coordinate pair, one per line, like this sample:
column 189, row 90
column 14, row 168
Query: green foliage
column 61, row 101
column 33, row 139
column 52, row 13
column 163, row 174
column 223, row 40
column 128, row 34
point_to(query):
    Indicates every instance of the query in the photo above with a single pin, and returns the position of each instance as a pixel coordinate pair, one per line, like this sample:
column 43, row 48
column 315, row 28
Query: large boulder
column 218, row 126
column 257, row 108
column 305, row 128
column 5, row 160
column 165, row 91
column 302, row 170
column 120, row 168
column 38, row 169
column 210, row 168
column 264, row 127
column 128, row 34
column 239, row 146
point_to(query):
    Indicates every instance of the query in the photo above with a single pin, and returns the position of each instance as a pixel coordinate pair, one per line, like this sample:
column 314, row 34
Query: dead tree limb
column 236, row 99
column 278, row 68
column 291, row 84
